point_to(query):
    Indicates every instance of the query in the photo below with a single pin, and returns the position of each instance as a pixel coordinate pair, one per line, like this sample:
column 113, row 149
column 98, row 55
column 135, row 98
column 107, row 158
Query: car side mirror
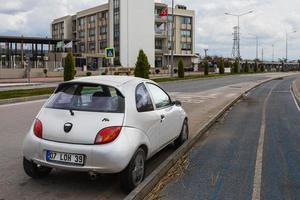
column 177, row 103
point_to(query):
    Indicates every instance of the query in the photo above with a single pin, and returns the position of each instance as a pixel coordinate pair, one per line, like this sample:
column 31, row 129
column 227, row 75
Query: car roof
column 115, row 81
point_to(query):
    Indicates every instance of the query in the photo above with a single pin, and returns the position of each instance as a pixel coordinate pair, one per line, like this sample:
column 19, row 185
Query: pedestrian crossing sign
column 110, row 53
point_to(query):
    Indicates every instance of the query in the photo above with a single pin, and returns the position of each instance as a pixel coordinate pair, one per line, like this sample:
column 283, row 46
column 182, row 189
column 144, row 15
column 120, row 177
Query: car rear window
column 87, row 97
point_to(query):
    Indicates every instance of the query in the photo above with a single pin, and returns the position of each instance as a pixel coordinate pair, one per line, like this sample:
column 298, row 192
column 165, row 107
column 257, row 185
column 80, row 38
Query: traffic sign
column 110, row 53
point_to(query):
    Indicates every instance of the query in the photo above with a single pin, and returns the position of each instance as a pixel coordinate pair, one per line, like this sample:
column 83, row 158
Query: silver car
column 107, row 124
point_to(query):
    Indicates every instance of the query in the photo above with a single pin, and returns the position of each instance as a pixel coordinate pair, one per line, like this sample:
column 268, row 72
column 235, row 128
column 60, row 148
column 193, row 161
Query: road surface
column 252, row 153
column 15, row 121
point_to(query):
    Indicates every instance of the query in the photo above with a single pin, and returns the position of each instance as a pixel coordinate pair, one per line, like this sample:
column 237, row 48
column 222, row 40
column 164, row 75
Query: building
column 128, row 26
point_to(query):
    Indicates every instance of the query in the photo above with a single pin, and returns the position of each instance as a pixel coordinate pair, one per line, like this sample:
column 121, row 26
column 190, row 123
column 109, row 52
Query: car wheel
column 35, row 171
column 184, row 134
column 133, row 175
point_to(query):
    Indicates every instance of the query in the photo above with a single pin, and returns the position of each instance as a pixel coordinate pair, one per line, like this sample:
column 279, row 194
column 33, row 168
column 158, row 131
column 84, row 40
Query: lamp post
column 238, row 18
column 286, row 43
column 172, row 41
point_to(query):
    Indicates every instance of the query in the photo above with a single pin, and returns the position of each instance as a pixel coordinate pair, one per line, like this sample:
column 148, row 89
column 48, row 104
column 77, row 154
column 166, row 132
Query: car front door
column 169, row 114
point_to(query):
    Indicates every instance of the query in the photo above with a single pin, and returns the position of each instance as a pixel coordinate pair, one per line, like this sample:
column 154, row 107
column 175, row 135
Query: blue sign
column 110, row 53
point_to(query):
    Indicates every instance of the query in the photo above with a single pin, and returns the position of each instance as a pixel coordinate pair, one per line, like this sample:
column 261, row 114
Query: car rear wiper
column 71, row 112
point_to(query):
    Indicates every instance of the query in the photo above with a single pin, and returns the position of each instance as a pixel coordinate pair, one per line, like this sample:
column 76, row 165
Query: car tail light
column 108, row 135
column 38, row 128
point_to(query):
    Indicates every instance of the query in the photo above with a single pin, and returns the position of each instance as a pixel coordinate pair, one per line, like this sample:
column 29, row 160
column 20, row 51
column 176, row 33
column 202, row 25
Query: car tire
column 35, row 171
column 184, row 134
column 134, row 173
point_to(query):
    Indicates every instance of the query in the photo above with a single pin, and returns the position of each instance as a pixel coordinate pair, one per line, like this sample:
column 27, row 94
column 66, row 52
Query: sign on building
column 110, row 53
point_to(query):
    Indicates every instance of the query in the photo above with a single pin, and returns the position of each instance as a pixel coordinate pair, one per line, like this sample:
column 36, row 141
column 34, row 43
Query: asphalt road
column 15, row 121
column 252, row 153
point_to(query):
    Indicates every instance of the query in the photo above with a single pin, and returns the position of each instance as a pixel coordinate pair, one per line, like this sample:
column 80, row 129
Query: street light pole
column 286, row 44
column 172, row 41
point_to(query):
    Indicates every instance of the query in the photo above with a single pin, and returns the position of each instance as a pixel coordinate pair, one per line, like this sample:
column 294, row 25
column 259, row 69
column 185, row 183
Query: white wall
column 136, row 31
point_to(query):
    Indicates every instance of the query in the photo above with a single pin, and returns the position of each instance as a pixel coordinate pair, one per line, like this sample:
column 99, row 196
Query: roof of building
column 31, row 40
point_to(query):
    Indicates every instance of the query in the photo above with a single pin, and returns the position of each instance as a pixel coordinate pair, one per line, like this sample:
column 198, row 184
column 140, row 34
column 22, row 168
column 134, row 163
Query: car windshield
column 87, row 97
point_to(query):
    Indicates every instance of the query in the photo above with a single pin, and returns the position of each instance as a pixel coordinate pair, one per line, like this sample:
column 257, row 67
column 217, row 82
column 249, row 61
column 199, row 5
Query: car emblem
column 68, row 127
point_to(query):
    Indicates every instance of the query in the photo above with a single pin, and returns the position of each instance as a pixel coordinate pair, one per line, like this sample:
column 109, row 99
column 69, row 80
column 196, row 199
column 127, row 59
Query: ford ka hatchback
column 107, row 124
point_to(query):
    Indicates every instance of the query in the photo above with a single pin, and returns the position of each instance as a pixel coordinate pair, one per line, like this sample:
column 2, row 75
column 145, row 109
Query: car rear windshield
column 87, row 97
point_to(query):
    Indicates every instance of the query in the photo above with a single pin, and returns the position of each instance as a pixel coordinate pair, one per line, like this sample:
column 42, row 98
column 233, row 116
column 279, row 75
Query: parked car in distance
column 104, row 124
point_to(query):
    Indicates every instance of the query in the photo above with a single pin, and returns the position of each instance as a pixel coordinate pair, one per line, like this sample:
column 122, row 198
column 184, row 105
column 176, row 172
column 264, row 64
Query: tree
column 69, row 70
column 221, row 66
column 180, row 69
column 236, row 66
column 262, row 68
column 142, row 66
column 256, row 67
column 247, row 68
column 206, row 67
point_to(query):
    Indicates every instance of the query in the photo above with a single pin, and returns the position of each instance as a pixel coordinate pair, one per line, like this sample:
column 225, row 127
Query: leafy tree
column 69, row 70
column 247, row 68
column 180, row 69
column 206, row 67
column 142, row 66
column 221, row 66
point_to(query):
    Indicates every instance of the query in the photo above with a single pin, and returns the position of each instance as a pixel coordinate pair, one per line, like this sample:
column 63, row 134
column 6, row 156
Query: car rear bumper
column 109, row 158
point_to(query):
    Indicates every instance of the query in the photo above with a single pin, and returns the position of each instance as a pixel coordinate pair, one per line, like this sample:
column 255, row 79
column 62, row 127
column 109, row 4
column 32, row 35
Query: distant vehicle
column 105, row 124
column 59, row 69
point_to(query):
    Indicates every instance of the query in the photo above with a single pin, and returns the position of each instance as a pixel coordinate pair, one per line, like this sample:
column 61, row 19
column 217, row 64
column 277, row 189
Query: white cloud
column 270, row 21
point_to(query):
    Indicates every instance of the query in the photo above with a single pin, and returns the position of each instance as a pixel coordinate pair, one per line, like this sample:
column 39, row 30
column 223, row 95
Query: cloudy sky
column 270, row 22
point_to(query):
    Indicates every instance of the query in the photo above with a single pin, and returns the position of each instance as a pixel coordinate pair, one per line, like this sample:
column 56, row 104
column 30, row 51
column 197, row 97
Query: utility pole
column 205, row 50
column 262, row 55
column 238, row 56
column 272, row 52
column 172, row 41
column 286, row 44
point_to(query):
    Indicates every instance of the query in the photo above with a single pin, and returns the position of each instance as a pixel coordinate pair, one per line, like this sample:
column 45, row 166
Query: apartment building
column 128, row 26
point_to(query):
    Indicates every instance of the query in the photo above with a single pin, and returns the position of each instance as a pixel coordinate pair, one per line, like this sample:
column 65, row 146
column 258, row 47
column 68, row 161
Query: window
column 81, row 21
column 186, row 20
column 81, row 34
column 92, row 32
column 158, row 44
column 103, row 44
column 103, row 30
column 91, row 46
column 92, row 18
column 87, row 97
column 186, row 46
column 161, row 99
column 143, row 99
column 186, row 33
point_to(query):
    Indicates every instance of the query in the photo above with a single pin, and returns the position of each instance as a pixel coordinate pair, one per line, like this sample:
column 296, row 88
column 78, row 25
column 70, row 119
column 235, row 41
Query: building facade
column 128, row 26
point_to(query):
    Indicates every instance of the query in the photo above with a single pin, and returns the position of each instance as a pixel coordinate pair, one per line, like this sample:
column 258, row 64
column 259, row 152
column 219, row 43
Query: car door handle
column 162, row 118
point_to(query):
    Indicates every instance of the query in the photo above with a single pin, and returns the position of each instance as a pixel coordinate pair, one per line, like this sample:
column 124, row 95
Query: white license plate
column 67, row 158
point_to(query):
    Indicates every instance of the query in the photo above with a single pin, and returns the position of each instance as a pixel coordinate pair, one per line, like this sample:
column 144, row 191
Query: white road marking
column 22, row 103
column 256, row 192
column 293, row 95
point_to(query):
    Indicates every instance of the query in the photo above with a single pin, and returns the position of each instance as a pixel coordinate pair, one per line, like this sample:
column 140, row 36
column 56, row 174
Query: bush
column 142, row 66
column 157, row 71
column 262, row 68
column 89, row 74
column 255, row 67
column 180, row 69
column 175, row 71
column 206, row 67
column 236, row 66
column 221, row 66
column 45, row 72
column 247, row 68
column 69, row 70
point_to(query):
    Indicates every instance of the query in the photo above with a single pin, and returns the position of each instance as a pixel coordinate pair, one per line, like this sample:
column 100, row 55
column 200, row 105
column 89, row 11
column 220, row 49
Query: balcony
column 161, row 34
column 160, row 19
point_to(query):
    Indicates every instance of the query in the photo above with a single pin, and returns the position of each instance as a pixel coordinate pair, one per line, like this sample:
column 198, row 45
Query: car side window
column 143, row 99
column 160, row 97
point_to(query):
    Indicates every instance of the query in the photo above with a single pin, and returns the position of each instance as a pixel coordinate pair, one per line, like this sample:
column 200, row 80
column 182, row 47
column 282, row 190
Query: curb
column 149, row 183
column 23, row 99
column 296, row 92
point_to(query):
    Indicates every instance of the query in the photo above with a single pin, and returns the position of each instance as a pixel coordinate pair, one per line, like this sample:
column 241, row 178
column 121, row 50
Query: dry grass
column 176, row 171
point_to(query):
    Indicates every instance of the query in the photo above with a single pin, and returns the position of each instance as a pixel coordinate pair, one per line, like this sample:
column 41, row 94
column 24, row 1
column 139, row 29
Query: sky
column 270, row 22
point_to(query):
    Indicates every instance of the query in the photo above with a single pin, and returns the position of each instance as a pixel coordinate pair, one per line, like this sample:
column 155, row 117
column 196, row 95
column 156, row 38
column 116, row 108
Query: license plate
column 66, row 158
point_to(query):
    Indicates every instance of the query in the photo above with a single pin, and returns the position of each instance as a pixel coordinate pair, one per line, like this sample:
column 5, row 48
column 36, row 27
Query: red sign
column 164, row 12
